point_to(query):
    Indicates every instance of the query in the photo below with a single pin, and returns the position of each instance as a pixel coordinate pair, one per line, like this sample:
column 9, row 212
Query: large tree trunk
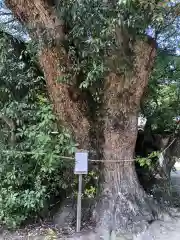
column 122, row 201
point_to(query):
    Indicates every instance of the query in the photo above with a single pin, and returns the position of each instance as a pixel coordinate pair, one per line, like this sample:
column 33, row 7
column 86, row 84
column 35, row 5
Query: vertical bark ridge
column 70, row 113
column 145, row 53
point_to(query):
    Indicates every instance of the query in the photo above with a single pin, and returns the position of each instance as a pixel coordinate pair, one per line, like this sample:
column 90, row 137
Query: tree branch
column 37, row 15
column 9, row 122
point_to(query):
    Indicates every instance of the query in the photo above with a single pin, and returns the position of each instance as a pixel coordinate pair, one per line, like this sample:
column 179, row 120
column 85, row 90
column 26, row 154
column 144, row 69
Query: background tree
column 161, row 106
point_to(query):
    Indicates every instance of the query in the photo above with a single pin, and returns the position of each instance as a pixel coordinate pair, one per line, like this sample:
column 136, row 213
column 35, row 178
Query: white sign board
column 81, row 163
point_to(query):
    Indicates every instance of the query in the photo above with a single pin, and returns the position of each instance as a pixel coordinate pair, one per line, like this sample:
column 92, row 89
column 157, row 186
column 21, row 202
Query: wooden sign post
column 81, row 167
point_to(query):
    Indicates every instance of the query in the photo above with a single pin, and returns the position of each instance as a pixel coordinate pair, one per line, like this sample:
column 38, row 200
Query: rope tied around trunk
column 72, row 158
column 89, row 160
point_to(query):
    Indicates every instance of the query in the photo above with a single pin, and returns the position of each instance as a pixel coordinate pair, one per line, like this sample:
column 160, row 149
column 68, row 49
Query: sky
column 10, row 25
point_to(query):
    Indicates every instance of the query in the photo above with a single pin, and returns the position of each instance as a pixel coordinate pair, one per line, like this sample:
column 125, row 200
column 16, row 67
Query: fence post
column 78, row 224
column 81, row 167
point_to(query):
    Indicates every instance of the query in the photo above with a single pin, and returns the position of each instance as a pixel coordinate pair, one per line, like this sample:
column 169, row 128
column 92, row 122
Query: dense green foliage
column 99, row 29
column 31, row 168
column 162, row 104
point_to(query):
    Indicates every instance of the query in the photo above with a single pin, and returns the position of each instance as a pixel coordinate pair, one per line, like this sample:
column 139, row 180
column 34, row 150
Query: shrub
column 33, row 170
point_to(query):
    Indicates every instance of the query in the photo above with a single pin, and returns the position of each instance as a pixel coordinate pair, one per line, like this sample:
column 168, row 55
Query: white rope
column 90, row 160
column 168, row 145
column 71, row 158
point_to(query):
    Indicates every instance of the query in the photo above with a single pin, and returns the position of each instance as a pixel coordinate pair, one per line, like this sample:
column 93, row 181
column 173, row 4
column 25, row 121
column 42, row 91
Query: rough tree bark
column 122, row 200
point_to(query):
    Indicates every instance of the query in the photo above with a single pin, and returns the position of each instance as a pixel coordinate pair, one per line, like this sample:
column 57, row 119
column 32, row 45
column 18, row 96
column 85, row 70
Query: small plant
column 148, row 162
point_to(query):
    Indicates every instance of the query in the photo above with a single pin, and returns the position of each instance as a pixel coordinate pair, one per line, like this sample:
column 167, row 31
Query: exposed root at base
column 125, row 213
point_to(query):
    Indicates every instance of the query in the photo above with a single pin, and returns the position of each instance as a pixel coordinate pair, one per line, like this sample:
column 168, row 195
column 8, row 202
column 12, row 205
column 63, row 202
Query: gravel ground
column 169, row 229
